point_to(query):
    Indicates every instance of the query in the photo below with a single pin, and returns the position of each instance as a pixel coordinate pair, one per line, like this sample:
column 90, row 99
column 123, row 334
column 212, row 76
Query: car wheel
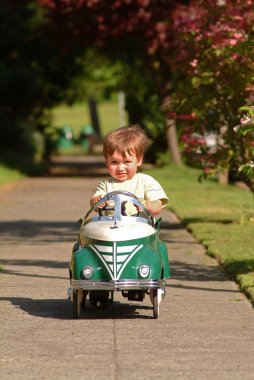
column 111, row 296
column 156, row 304
column 83, row 302
column 76, row 303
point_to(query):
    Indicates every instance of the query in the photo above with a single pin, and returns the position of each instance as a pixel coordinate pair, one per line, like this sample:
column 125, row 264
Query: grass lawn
column 78, row 116
column 11, row 167
column 14, row 166
column 9, row 175
column 221, row 218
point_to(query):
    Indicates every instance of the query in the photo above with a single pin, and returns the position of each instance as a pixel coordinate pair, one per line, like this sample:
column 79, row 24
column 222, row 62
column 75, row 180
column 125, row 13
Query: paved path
column 205, row 329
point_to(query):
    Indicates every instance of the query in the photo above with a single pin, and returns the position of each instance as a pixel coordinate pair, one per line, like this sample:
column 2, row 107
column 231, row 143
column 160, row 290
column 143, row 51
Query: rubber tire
column 111, row 300
column 83, row 302
column 156, row 306
column 76, row 304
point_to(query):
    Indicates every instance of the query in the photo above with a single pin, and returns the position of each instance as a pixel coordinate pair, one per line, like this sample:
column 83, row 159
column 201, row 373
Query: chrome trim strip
column 118, row 284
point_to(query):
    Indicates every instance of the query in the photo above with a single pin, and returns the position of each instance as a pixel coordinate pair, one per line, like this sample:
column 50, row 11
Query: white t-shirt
column 142, row 185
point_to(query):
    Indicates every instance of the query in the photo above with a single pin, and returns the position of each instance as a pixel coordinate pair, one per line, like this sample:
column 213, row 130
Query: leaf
column 196, row 82
column 246, row 108
column 241, row 168
column 244, row 129
column 247, row 169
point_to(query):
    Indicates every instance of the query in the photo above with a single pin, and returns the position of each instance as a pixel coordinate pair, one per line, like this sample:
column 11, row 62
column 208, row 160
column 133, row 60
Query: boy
column 124, row 150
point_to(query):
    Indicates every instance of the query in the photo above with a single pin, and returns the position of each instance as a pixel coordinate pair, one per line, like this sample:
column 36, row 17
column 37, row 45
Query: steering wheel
column 124, row 192
column 110, row 195
column 147, row 214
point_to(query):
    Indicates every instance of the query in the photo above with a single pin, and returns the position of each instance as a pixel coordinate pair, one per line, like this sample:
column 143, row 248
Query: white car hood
column 121, row 231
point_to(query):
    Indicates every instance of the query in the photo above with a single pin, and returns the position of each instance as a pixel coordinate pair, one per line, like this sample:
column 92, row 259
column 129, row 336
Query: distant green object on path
column 65, row 140
column 86, row 133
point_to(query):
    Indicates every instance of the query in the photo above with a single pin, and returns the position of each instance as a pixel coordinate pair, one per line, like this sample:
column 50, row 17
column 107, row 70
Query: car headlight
column 87, row 271
column 144, row 271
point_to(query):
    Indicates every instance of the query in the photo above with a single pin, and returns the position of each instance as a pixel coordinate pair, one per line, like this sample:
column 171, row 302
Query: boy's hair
column 131, row 140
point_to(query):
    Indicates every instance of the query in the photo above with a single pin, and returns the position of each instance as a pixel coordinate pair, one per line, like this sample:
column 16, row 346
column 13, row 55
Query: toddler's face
column 122, row 167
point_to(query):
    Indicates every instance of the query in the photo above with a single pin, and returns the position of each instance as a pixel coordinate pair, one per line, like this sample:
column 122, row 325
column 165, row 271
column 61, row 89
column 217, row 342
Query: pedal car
column 118, row 249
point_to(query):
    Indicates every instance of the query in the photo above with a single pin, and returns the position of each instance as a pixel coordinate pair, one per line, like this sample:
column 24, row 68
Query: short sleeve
column 154, row 191
column 101, row 189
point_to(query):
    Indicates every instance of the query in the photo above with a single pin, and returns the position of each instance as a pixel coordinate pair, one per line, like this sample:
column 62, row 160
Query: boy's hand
column 154, row 207
column 95, row 199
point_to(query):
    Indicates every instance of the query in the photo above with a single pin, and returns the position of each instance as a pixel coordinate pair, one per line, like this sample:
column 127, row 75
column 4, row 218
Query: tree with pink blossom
column 212, row 65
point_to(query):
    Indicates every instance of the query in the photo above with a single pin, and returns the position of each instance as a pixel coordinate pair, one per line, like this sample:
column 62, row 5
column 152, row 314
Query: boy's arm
column 155, row 196
column 154, row 207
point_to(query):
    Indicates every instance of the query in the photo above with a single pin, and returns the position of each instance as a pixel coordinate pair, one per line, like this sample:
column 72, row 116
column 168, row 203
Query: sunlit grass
column 11, row 167
column 9, row 175
column 214, row 214
column 206, row 201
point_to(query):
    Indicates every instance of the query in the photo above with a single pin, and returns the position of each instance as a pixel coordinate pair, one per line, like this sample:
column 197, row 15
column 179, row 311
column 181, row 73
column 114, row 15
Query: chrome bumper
column 117, row 285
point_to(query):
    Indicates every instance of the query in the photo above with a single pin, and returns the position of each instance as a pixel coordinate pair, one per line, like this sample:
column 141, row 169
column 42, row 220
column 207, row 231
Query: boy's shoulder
column 145, row 177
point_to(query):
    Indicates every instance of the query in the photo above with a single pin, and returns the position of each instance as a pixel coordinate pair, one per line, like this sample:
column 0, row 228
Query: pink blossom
column 232, row 42
column 237, row 36
column 245, row 120
column 194, row 63
column 161, row 27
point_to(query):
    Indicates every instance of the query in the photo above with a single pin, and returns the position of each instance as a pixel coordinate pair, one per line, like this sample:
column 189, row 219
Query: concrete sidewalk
column 205, row 329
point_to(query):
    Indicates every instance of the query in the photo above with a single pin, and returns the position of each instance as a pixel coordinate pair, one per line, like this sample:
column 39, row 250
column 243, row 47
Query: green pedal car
column 119, row 249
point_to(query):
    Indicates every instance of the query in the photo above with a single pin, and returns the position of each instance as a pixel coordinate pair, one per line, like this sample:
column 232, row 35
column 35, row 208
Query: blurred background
column 73, row 70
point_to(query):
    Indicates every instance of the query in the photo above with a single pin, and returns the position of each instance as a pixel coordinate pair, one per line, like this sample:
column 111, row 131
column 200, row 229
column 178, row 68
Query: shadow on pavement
column 188, row 287
column 37, row 232
column 187, row 221
column 171, row 226
column 43, row 232
column 180, row 271
column 40, row 276
column 62, row 309
column 75, row 166
column 37, row 263
column 184, row 272
column 193, row 272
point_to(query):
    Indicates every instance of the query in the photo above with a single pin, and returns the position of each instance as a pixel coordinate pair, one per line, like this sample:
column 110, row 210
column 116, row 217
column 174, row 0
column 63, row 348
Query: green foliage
column 163, row 159
column 14, row 166
column 212, row 71
column 99, row 78
column 34, row 77
column 192, row 53
column 126, row 33
column 8, row 174
column 247, row 121
column 143, row 104
column 246, row 129
column 247, row 169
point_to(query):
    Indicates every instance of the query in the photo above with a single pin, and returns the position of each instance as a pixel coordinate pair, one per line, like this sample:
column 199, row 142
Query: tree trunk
column 223, row 177
column 121, row 109
column 94, row 117
column 173, row 142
